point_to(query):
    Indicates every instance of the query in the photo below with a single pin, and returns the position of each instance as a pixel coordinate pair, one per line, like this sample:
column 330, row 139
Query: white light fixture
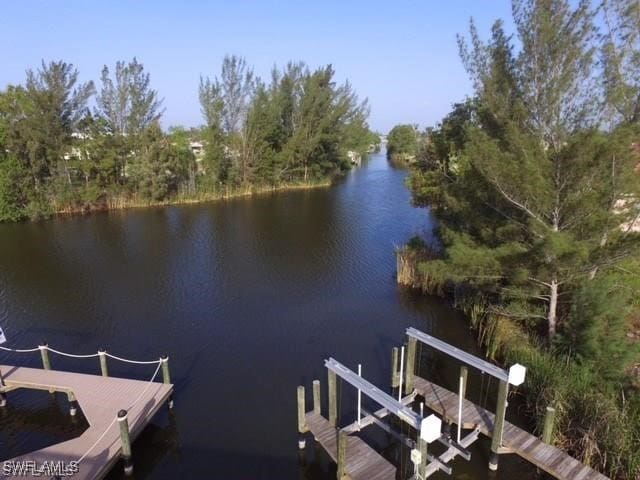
column 430, row 428
column 517, row 373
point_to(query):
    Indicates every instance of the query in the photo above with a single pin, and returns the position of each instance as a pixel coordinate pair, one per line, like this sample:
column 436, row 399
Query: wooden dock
column 100, row 398
column 515, row 440
column 361, row 461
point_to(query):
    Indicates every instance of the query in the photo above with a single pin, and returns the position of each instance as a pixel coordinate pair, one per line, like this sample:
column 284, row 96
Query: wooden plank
column 362, row 461
column 547, row 457
column 100, row 398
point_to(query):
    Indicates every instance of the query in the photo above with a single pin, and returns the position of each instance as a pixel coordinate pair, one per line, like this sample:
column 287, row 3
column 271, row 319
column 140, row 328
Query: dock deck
column 515, row 440
column 361, row 463
column 100, row 398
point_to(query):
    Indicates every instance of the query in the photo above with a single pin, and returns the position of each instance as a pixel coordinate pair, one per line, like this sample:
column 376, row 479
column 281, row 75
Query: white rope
column 138, row 362
column 65, row 354
column 97, row 441
column 71, row 355
column 116, row 417
column 147, row 387
column 18, row 350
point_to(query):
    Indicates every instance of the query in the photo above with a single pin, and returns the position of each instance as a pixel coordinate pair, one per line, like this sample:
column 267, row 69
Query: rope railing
column 72, row 355
column 121, row 418
column 135, row 402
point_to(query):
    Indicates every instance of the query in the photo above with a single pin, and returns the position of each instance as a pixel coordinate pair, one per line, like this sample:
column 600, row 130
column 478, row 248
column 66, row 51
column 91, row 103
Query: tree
column 402, row 141
column 127, row 102
column 162, row 166
column 620, row 55
column 129, row 106
column 528, row 208
column 300, row 126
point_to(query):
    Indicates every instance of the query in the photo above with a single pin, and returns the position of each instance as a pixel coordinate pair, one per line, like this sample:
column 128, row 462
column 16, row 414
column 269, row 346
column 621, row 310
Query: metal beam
column 387, row 401
column 366, row 420
column 458, row 354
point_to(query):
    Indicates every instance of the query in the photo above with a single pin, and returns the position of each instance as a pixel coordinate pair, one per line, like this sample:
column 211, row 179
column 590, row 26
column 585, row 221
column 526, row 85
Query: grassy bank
column 597, row 420
column 123, row 200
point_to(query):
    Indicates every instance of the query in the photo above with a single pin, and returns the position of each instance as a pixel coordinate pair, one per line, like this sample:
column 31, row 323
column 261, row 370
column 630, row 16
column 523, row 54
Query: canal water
column 248, row 297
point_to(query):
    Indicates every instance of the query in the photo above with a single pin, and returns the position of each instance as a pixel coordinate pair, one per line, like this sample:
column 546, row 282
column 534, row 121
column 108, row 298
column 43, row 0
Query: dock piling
column 3, row 396
column 316, row 397
column 342, row 454
column 125, row 438
column 394, row 367
column 302, row 423
column 166, row 377
column 496, row 436
column 104, row 369
column 73, row 404
column 46, row 363
column 547, row 430
column 410, row 365
column 422, row 445
column 333, row 397
column 44, row 353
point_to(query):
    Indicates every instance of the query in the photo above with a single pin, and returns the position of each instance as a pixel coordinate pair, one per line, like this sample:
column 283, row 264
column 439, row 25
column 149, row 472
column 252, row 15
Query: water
column 247, row 296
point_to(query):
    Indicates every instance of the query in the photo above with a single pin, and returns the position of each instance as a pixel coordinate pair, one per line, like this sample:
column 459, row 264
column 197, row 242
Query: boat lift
column 428, row 428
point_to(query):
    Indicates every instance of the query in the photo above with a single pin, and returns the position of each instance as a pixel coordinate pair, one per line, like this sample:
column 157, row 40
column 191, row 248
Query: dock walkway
column 361, row 461
column 514, row 440
column 100, row 398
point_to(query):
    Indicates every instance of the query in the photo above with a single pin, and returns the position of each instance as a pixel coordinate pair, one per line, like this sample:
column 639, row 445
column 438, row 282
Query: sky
column 401, row 55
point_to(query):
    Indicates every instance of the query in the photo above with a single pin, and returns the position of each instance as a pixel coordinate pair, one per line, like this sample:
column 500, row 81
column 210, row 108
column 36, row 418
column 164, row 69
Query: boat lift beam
column 458, row 354
column 395, row 407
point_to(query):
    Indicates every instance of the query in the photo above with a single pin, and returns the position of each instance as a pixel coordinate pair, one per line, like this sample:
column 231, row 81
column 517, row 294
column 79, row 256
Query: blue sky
column 402, row 55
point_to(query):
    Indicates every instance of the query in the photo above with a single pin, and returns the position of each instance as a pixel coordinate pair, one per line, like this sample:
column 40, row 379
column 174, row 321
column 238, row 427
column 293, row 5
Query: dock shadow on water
column 248, row 297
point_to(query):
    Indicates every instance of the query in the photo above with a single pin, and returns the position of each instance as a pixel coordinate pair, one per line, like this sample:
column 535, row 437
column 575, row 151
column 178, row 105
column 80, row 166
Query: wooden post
column 302, row 423
column 316, row 397
column 125, row 438
column 410, row 368
column 333, row 397
column 395, row 380
column 44, row 353
column 343, row 438
column 104, row 369
column 422, row 445
column 166, row 376
column 73, row 404
column 3, row 396
column 464, row 373
column 496, row 436
column 547, row 430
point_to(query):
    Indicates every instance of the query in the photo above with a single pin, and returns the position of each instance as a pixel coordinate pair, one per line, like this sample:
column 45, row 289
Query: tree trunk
column 552, row 317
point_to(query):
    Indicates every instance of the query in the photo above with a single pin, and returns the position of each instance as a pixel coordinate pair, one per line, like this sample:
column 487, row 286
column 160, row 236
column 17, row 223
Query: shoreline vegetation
column 131, row 202
column 595, row 423
column 534, row 185
column 68, row 147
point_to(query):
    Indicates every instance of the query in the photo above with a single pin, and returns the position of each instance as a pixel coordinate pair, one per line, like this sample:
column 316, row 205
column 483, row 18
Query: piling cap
column 430, row 428
column 122, row 414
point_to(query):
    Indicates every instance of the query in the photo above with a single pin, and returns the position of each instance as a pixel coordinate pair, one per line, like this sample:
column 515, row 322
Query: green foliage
column 298, row 128
column 522, row 181
column 402, row 141
column 535, row 199
column 596, row 419
column 12, row 190
column 55, row 155
column 599, row 322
